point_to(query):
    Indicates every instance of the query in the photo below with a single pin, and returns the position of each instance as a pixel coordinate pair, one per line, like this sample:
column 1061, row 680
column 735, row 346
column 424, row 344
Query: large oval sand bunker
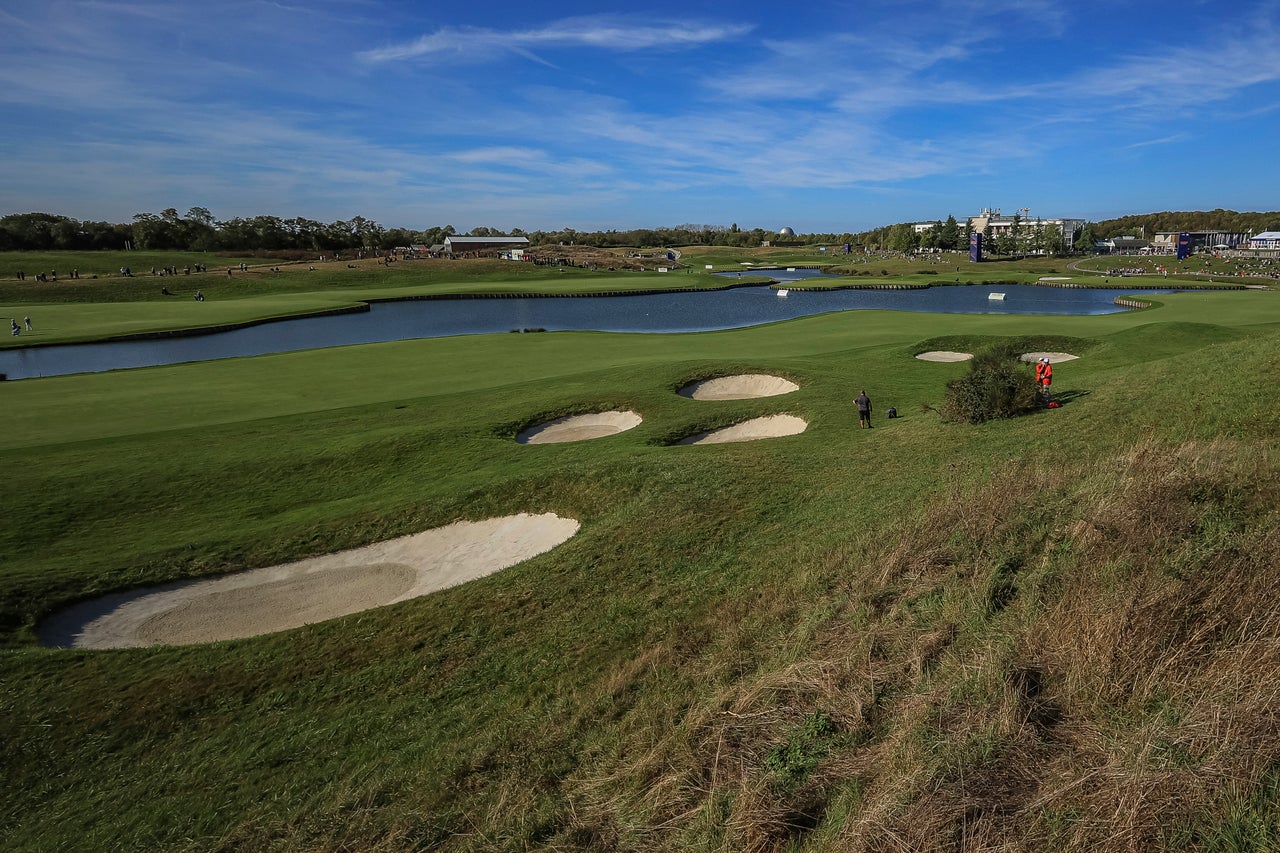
column 747, row 386
column 580, row 428
column 262, row 601
column 773, row 426
column 1054, row 357
column 942, row 355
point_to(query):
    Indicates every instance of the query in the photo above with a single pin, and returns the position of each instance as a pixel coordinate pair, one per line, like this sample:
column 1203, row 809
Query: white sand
column 944, row 355
column 261, row 601
column 580, row 428
column 773, row 426
column 1054, row 357
column 747, row 386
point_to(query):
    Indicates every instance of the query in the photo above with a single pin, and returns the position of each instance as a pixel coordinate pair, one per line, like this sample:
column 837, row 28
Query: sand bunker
column 773, row 426
column 580, row 428
column 261, row 601
column 1054, row 357
column 944, row 355
column 745, row 387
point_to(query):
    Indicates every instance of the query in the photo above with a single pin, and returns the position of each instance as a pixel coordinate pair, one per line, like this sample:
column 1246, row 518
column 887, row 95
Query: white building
column 454, row 245
column 1026, row 224
column 1265, row 240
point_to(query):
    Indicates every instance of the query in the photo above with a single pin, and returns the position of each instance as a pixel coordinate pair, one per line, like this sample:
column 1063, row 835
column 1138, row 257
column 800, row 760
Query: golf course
column 512, row 599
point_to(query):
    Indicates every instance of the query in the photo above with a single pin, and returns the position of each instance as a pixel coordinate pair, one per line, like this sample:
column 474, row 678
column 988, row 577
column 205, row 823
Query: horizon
column 826, row 119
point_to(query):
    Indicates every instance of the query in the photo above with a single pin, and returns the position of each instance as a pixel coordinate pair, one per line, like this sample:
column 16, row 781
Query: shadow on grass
column 1066, row 398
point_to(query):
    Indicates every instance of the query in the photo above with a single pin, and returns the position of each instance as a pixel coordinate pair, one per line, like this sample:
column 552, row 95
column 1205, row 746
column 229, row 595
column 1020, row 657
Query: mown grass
column 1052, row 632
column 107, row 264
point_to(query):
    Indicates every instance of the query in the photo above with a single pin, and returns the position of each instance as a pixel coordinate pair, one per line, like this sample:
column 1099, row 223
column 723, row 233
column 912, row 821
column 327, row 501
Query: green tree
column 150, row 232
column 200, row 216
column 1051, row 238
column 198, row 229
column 949, row 234
column 902, row 238
column 1085, row 239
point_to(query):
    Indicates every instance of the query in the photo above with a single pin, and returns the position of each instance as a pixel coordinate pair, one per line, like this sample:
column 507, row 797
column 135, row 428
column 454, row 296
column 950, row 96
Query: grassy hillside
column 1058, row 632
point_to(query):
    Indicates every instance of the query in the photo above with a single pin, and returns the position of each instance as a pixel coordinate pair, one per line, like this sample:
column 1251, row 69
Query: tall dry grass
column 1083, row 659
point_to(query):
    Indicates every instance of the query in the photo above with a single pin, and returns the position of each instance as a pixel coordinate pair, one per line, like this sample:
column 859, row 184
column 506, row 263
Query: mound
column 944, row 355
column 773, row 426
column 262, row 601
column 744, row 387
column 1054, row 357
column 580, row 428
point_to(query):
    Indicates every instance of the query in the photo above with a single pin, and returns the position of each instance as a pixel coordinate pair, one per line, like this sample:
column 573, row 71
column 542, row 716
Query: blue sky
column 823, row 116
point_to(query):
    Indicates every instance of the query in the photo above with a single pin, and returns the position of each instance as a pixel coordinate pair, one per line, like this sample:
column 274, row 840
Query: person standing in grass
column 1046, row 377
column 863, row 402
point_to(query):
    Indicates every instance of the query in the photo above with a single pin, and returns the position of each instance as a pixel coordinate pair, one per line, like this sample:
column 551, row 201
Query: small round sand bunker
column 261, row 601
column 1054, row 357
column 944, row 355
column 747, row 386
column 773, row 426
column 580, row 428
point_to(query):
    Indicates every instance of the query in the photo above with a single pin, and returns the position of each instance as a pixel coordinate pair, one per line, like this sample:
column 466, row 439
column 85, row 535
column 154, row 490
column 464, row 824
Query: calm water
column 668, row 312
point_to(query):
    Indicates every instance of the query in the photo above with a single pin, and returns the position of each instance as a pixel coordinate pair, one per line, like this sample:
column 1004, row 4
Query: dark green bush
column 998, row 385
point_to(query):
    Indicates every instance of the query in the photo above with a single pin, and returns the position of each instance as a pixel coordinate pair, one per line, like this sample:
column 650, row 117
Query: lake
column 651, row 313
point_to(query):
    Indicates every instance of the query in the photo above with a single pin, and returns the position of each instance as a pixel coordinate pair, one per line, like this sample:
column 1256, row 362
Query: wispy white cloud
column 612, row 33
column 1215, row 69
column 1164, row 140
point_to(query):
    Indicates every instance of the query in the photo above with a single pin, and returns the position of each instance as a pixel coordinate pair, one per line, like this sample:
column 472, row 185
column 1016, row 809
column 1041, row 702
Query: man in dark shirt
column 863, row 403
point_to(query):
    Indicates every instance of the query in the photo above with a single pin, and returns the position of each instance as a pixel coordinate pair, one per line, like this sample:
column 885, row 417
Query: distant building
column 1120, row 245
column 921, row 227
column 1000, row 224
column 1166, row 242
column 786, row 231
column 1265, row 240
column 457, row 245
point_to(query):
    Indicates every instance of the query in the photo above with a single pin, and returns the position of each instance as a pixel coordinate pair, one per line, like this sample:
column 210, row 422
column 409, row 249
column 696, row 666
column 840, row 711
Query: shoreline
column 363, row 306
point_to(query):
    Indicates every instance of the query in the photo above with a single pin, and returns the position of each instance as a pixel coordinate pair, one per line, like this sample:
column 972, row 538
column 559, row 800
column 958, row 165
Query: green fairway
column 837, row 640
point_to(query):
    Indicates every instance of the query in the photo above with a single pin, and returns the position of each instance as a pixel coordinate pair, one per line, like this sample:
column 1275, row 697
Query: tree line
column 1181, row 220
column 198, row 230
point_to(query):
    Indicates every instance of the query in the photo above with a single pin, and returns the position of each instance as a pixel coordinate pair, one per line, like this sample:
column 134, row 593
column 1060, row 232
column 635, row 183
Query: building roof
column 1267, row 235
column 503, row 239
